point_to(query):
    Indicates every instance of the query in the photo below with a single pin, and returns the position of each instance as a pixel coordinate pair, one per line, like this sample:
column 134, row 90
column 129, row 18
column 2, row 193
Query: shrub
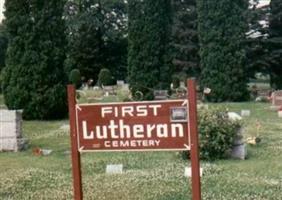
column 105, row 77
column 75, row 78
column 216, row 134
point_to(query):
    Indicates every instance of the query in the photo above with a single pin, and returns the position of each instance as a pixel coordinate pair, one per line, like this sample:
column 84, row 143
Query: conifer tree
column 34, row 77
column 222, row 27
column 149, row 45
column 185, row 39
column 275, row 44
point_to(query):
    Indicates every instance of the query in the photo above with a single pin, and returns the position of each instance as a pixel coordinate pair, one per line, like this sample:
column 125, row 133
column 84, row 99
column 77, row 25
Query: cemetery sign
column 167, row 125
column 133, row 126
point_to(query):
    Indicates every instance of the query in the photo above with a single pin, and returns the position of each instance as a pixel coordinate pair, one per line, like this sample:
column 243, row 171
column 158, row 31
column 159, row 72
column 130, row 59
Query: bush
column 216, row 134
column 105, row 77
column 175, row 81
column 75, row 78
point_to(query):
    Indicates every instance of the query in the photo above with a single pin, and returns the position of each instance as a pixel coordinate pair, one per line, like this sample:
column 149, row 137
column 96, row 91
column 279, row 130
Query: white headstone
column 11, row 130
column 280, row 113
column 120, row 83
column 245, row 113
column 188, row 172
column 234, row 116
column 114, row 169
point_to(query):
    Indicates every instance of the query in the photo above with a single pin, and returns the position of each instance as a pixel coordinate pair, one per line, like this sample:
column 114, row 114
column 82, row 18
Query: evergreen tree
column 149, row 45
column 185, row 39
column 275, row 44
column 222, row 27
column 96, row 36
column 3, row 46
column 34, row 78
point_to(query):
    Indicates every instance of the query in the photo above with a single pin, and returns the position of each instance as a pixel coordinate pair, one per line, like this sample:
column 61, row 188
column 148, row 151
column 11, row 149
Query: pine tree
column 222, row 28
column 275, row 44
column 149, row 58
column 34, row 77
column 185, row 39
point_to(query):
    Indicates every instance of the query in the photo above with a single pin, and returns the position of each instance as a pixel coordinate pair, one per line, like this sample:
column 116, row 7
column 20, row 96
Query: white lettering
column 155, row 109
column 142, row 111
column 128, row 110
column 106, row 110
column 162, row 130
column 84, row 131
column 180, row 130
column 138, row 131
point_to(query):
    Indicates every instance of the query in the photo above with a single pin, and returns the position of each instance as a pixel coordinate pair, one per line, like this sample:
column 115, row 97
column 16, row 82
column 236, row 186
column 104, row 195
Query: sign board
column 167, row 125
column 133, row 126
column 277, row 98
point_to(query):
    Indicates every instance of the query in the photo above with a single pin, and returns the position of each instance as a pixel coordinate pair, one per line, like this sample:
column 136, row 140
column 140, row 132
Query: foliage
column 149, row 62
column 3, row 45
column 96, row 37
column 222, row 26
column 217, row 133
column 105, row 77
column 185, row 38
column 257, row 58
column 75, row 78
column 34, row 78
column 274, row 44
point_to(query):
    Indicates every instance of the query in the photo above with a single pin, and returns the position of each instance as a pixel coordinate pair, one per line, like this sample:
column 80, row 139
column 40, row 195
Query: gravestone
column 245, row 113
column 11, row 131
column 160, row 94
column 110, row 90
column 277, row 98
column 120, row 83
column 114, row 169
column 188, row 172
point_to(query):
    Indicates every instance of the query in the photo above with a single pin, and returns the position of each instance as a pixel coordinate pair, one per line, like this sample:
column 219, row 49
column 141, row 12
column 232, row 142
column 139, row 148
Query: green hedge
column 216, row 133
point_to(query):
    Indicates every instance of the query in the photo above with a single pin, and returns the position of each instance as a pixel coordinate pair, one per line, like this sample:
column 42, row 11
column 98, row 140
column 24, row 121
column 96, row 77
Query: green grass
column 148, row 176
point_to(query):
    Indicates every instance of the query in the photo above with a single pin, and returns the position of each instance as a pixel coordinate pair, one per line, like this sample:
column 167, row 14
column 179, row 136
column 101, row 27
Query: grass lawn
column 148, row 176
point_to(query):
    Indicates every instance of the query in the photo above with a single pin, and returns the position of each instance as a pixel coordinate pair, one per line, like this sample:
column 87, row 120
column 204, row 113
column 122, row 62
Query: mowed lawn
column 154, row 176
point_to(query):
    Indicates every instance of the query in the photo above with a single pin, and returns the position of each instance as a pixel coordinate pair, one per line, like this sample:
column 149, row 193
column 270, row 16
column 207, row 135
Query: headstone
column 109, row 90
column 120, row 83
column 234, row 116
column 188, row 172
column 239, row 151
column 182, row 84
column 277, row 98
column 160, row 94
column 280, row 113
column 245, row 113
column 114, row 169
column 11, row 130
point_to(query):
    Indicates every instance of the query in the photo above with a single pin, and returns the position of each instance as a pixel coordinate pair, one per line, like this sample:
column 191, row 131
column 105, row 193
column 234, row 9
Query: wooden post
column 192, row 126
column 75, row 154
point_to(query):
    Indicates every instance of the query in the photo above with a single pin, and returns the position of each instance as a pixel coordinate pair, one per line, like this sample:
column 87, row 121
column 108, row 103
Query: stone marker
column 276, row 97
column 160, row 94
column 188, row 172
column 11, row 131
column 239, row 149
column 234, row 116
column 245, row 113
column 279, row 113
column 120, row 83
column 114, row 169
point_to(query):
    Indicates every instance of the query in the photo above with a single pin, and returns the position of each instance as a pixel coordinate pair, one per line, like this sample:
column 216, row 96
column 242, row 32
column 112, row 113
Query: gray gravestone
column 160, row 94
column 11, row 130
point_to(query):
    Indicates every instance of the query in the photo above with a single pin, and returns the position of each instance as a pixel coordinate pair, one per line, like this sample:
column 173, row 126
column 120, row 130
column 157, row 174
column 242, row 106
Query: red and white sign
column 133, row 126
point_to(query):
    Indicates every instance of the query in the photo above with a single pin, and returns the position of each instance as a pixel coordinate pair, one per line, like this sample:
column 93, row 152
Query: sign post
column 75, row 154
column 192, row 124
column 168, row 125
